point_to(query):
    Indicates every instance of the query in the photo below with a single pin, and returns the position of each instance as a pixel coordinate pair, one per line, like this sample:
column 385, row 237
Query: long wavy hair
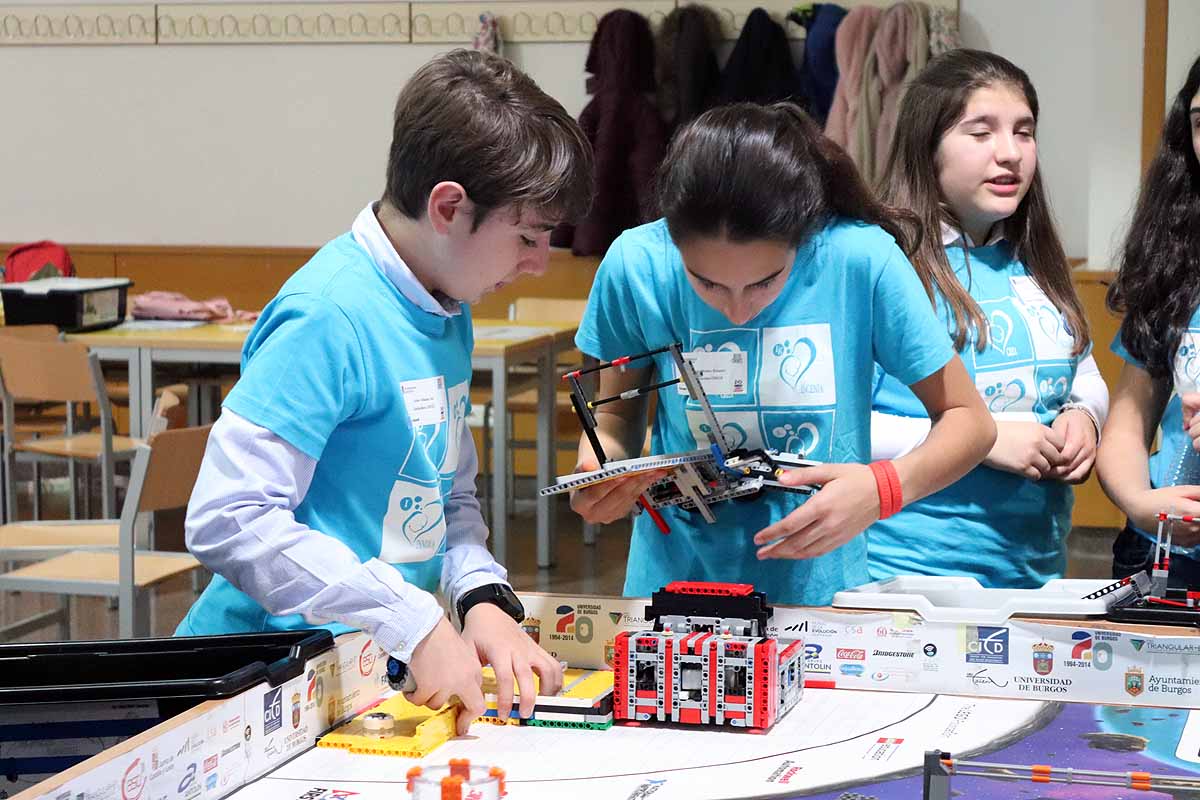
column 1158, row 283
column 934, row 102
column 752, row 172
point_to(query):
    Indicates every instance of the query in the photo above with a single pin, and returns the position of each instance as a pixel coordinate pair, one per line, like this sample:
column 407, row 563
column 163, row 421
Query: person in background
column 965, row 160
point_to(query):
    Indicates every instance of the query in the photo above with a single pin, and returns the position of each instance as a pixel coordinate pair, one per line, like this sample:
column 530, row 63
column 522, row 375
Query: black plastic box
column 53, row 695
column 73, row 304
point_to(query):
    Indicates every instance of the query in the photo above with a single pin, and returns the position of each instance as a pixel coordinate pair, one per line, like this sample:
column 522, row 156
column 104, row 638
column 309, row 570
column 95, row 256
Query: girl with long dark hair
column 785, row 279
column 964, row 159
column 1158, row 289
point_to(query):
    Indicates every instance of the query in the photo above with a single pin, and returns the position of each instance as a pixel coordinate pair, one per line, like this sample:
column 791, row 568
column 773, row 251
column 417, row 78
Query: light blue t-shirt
column 1002, row 529
column 342, row 366
column 1173, row 439
column 798, row 379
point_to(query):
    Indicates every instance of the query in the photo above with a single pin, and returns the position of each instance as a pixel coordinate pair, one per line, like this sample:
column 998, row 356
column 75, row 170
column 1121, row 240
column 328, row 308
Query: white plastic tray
column 953, row 599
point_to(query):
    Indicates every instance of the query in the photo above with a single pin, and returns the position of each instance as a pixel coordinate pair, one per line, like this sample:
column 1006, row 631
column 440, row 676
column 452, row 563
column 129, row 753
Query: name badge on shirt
column 425, row 400
column 721, row 372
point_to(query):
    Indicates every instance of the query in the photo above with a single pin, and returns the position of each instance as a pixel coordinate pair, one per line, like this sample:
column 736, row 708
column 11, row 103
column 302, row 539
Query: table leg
column 547, row 452
column 143, row 409
column 500, row 463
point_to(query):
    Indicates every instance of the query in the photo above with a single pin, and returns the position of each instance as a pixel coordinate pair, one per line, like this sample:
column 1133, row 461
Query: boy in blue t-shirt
column 338, row 487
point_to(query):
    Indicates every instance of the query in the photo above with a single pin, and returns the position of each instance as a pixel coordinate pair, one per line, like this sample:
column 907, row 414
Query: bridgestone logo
column 892, row 653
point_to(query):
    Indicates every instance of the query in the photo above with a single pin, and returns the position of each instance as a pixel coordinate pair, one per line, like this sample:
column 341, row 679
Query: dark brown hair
column 473, row 118
column 750, row 172
column 933, row 103
column 1158, row 285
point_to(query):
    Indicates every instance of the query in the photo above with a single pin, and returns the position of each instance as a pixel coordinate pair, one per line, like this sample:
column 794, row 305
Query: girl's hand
column 1191, row 420
column 1078, row 452
column 1026, row 448
column 846, row 504
column 1184, row 500
column 613, row 499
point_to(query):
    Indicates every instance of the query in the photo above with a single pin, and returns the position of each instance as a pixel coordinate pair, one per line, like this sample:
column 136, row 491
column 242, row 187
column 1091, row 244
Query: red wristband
column 887, row 481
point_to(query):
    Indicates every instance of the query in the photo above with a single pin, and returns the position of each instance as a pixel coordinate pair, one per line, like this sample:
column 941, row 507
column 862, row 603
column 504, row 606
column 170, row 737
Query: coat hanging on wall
column 686, row 63
column 899, row 51
column 760, row 68
column 943, row 31
column 852, row 43
column 819, row 71
column 625, row 130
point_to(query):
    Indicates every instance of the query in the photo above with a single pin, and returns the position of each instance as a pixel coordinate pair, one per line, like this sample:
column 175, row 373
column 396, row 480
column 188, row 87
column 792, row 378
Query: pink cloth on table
column 173, row 305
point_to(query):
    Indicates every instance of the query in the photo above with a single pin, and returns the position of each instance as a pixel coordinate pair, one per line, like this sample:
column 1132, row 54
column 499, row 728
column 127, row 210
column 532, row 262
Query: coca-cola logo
column 851, row 654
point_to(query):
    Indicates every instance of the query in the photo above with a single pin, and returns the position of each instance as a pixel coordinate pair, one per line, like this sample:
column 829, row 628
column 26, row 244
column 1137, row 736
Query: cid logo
column 273, row 711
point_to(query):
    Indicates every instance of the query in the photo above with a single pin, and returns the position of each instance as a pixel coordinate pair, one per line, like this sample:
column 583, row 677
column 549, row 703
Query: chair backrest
column 547, row 309
column 169, row 413
column 59, row 372
column 174, row 463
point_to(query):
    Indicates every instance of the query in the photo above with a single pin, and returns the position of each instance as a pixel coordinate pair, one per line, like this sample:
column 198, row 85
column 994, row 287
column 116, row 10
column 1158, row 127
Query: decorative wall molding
column 77, row 24
column 535, row 21
column 264, row 23
column 437, row 22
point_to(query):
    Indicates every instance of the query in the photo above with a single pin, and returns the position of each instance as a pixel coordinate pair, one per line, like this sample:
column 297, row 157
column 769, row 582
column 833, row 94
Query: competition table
column 836, row 744
column 500, row 345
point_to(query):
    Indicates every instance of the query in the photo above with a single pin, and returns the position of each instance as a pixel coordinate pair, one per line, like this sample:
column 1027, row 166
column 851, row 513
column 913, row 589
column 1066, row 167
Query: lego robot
column 1146, row 598
column 700, row 478
column 707, row 660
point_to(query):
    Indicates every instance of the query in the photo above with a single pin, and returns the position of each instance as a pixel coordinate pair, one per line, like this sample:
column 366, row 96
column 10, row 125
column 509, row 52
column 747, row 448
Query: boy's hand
column 1078, row 453
column 613, row 499
column 846, row 504
column 499, row 641
column 445, row 667
column 1029, row 449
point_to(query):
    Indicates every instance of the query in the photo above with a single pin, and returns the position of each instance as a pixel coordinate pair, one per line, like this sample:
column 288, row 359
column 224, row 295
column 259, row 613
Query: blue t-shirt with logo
column 1174, row 441
column 347, row 370
column 796, row 378
column 1002, row 529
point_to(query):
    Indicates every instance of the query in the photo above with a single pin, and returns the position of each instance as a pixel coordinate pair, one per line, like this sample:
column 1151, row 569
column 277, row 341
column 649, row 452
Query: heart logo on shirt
column 1000, row 330
column 1189, row 366
column 1053, row 325
column 799, row 359
column 1053, row 389
column 422, row 520
column 735, row 435
column 1001, row 397
column 799, row 439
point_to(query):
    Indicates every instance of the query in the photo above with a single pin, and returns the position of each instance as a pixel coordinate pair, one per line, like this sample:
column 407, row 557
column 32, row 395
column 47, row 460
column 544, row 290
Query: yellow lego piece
column 415, row 730
column 581, row 688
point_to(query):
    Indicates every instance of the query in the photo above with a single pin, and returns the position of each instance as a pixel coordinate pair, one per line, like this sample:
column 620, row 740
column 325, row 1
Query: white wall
column 238, row 144
column 283, row 144
column 1183, row 44
column 1085, row 60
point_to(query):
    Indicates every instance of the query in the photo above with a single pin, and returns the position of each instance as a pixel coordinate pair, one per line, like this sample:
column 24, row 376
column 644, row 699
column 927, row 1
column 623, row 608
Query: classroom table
column 499, row 346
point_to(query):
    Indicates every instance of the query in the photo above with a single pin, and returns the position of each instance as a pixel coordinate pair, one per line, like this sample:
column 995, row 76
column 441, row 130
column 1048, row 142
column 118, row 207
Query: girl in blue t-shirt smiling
column 965, row 160
column 783, row 278
column 1158, row 288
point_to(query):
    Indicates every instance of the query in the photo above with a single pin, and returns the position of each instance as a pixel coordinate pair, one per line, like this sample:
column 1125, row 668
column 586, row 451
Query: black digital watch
column 498, row 594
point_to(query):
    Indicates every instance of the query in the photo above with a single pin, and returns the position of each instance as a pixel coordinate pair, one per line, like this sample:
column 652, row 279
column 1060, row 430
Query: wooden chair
column 163, row 475
column 524, row 397
column 58, row 372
